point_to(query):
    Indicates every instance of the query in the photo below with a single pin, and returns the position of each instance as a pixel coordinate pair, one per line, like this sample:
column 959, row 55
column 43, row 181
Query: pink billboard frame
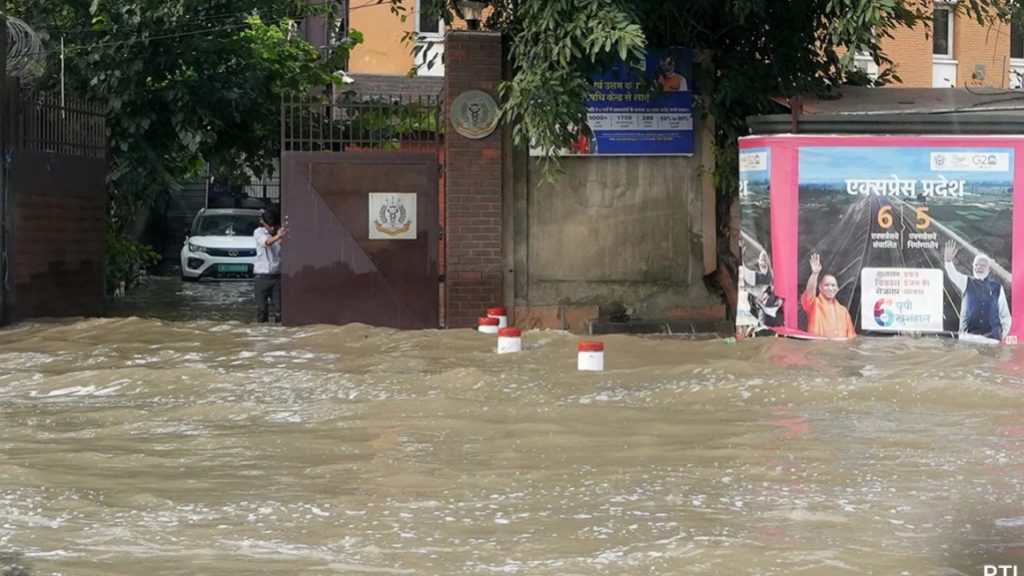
column 784, row 176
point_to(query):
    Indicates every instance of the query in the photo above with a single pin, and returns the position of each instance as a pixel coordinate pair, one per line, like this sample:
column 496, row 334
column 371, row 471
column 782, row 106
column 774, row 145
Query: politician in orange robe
column 668, row 78
column 825, row 316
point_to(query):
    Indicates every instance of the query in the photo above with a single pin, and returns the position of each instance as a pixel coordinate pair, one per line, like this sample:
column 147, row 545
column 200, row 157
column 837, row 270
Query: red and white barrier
column 501, row 314
column 590, row 356
column 510, row 340
column 488, row 325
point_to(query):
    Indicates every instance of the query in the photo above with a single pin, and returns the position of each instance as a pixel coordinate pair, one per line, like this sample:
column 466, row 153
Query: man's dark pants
column 268, row 287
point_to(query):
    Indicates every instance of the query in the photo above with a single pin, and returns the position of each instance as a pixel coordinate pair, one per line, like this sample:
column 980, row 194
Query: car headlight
column 196, row 248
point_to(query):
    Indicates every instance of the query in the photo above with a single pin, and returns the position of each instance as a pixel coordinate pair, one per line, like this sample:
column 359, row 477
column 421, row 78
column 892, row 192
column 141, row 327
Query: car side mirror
column 188, row 231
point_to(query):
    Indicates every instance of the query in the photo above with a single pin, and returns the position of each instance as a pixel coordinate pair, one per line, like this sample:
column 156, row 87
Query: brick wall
column 58, row 235
column 473, row 186
column 973, row 44
column 911, row 50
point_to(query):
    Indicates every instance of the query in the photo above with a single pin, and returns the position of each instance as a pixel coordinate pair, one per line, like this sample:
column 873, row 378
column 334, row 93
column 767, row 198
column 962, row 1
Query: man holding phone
column 267, row 268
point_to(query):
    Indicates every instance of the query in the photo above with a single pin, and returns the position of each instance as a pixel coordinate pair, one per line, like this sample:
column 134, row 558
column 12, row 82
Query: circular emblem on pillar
column 474, row 114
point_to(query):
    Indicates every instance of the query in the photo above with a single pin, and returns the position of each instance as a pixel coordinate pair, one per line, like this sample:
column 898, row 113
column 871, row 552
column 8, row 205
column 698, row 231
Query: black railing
column 268, row 188
column 362, row 122
column 43, row 123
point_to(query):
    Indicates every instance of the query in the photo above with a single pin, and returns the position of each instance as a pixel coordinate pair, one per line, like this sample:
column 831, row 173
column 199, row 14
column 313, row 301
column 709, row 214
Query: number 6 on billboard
column 884, row 216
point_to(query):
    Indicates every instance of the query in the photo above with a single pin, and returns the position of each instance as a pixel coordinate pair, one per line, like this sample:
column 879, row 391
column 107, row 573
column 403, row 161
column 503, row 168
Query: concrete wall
column 608, row 233
column 625, row 230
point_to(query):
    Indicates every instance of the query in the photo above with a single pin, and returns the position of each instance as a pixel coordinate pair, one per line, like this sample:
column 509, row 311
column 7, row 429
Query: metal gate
column 53, row 207
column 359, row 195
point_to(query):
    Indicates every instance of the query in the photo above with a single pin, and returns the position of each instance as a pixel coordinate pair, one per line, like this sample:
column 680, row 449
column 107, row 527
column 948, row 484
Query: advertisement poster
column 758, row 305
column 856, row 236
column 640, row 112
column 901, row 299
column 905, row 239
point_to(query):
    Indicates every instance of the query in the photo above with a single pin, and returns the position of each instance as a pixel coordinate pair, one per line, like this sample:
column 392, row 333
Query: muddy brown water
column 141, row 446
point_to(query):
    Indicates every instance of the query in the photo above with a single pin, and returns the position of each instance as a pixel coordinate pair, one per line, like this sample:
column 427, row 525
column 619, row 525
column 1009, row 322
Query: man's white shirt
column 268, row 258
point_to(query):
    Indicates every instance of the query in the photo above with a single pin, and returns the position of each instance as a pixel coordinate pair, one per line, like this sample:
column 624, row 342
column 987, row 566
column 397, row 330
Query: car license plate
column 233, row 268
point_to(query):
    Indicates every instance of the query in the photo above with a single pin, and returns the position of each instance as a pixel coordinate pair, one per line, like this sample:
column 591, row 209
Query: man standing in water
column 825, row 315
column 983, row 308
column 267, row 268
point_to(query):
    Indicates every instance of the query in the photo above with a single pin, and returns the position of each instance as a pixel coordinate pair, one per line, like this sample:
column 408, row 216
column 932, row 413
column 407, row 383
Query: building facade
column 395, row 43
column 956, row 52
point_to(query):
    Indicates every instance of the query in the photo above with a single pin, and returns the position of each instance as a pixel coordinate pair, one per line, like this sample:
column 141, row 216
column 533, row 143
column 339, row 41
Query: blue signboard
column 648, row 113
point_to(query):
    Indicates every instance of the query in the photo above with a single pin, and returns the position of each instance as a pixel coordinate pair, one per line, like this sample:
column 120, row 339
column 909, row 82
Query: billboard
column 888, row 235
column 640, row 112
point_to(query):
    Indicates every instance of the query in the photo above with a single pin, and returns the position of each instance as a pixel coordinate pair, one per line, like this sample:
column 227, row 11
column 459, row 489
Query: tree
column 747, row 53
column 184, row 82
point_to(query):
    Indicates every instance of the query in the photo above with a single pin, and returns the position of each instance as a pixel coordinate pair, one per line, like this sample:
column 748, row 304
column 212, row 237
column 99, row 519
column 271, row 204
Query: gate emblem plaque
column 392, row 216
column 474, row 114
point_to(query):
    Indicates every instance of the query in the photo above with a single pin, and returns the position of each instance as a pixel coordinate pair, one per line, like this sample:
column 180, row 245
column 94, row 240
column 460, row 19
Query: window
column 428, row 20
column 428, row 55
column 337, row 27
column 1016, row 54
column 942, row 31
column 226, row 225
column 864, row 62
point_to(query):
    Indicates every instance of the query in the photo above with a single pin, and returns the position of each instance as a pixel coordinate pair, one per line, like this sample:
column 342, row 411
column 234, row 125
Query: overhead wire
column 225, row 15
column 129, row 41
column 184, row 22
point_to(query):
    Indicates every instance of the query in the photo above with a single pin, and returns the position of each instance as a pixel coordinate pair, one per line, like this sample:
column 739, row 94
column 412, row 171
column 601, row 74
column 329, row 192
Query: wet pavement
column 171, row 299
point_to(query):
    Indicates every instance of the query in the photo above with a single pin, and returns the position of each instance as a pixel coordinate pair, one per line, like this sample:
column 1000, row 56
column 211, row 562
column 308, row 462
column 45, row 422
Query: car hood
column 228, row 242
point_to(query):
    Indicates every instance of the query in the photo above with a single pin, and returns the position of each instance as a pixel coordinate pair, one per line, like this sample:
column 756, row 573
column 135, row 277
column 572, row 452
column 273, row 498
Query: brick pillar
column 473, row 178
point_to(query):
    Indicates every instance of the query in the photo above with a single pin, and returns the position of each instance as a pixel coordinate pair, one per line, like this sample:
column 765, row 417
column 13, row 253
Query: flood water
column 143, row 446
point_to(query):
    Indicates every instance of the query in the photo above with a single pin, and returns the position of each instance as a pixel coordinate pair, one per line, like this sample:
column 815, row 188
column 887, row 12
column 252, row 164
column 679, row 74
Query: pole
column 62, row 76
column 5, row 229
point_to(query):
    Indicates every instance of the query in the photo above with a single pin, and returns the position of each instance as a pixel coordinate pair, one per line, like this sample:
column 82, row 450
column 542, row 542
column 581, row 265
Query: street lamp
column 472, row 12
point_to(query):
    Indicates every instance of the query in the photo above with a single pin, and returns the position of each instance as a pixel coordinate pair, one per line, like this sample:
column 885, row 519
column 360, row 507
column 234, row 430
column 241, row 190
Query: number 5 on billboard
column 923, row 220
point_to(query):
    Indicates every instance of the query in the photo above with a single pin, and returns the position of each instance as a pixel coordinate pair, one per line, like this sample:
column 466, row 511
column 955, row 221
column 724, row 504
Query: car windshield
column 227, row 224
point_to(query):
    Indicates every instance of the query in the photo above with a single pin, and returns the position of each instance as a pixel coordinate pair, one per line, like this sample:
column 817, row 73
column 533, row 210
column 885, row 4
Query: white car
column 219, row 244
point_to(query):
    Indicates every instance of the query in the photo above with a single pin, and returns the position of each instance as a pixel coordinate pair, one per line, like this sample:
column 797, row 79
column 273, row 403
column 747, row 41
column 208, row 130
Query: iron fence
column 267, row 188
column 361, row 122
column 42, row 122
